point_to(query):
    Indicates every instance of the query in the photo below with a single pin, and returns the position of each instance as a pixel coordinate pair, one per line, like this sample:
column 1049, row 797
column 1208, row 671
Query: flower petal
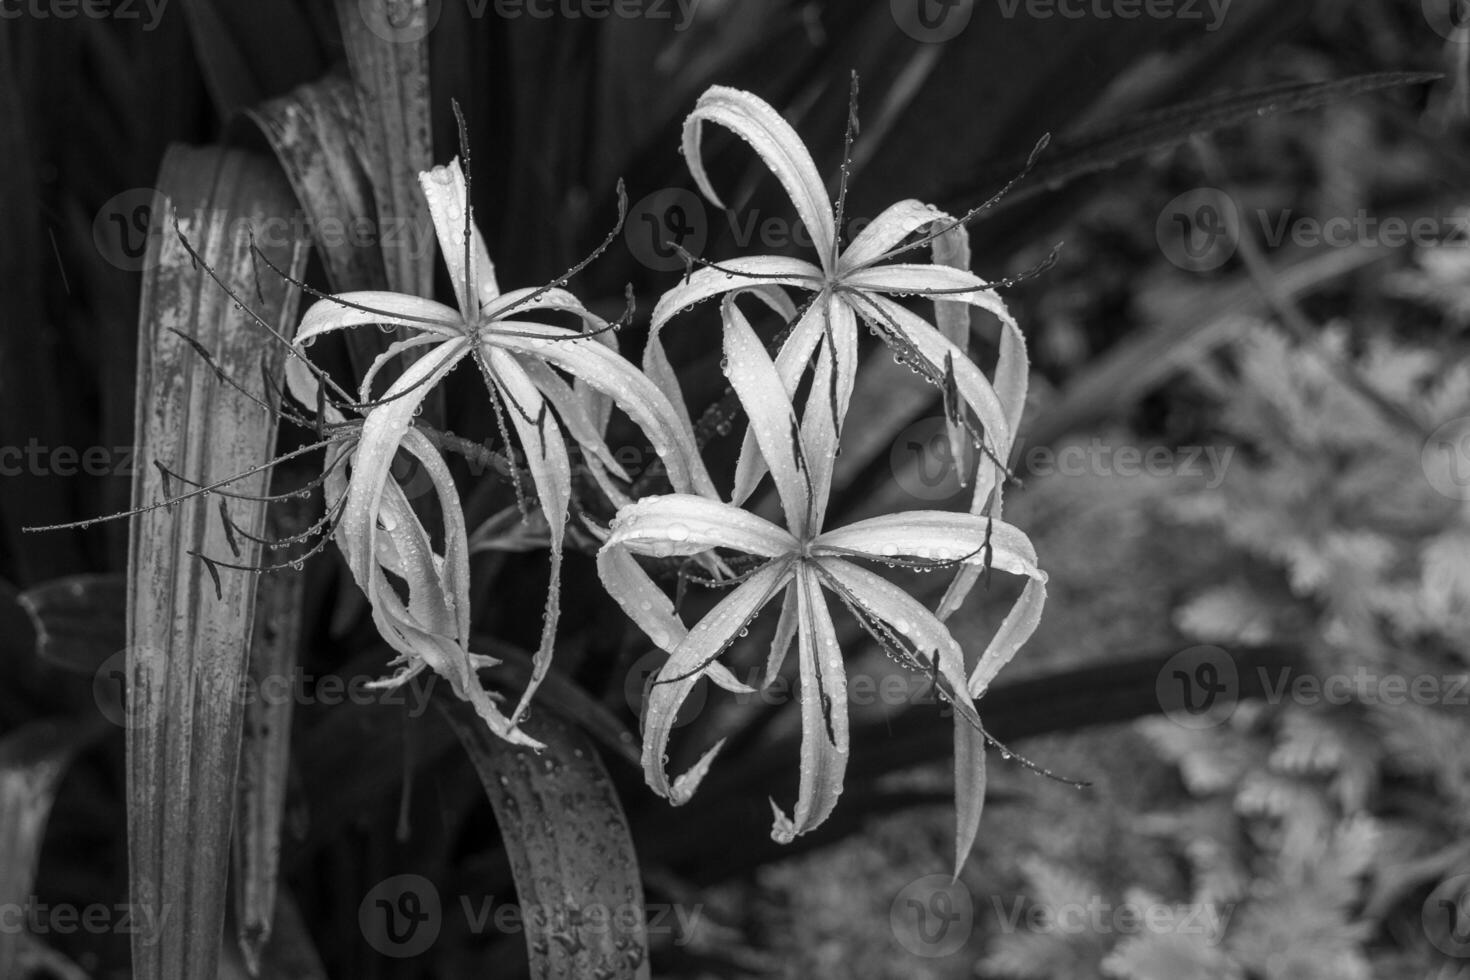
column 444, row 190
column 576, row 415
column 376, row 307
column 1014, row 631
column 678, row 524
column 709, row 638
column 652, row 610
column 936, row 535
column 753, row 376
column 896, row 222
column 546, row 456
column 777, row 144
column 785, row 633
column 824, row 725
column 667, row 427
column 969, row 788
column 826, row 406
column 771, row 270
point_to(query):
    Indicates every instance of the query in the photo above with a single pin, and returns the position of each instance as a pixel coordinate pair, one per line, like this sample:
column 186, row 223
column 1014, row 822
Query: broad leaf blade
column 188, row 634
column 32, row 761
column 569, row 846
column 79, row 620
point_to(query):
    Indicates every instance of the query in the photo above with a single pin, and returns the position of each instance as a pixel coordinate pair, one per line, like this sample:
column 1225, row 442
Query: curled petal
column 1016, row 629
column 711, row 636
column 444, row 190
column 824, row 724
column 778, row 146
column 680, row 524
column 584, row 358
column 764, row 275
column 376, row 307
column 896, row 222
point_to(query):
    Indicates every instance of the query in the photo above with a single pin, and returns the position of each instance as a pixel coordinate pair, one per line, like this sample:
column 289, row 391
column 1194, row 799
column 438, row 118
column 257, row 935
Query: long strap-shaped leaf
column 188, row 630
column 392, row 78
column 1068, row 159
column 265, row 755
column 32, row 762
column 570, row 850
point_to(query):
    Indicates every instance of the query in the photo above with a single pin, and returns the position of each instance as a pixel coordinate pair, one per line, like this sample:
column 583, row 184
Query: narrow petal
column 824, row 725
column 826, row 406
column 935, row 535
column 974, row 388
column 444, row 190
column 778, row 146
column 896, row 222
column 652, row 610
column 785, row 633
column 771, row 270
column 395, row 349
column 710, row 637
column 546, row 456
column 753, row 376
column 575, row 413
column 506, row 309
column 376, row 307
column 1014, row 631
column 667, row 427
column 680, row 524
column 952, row 248
column 969, row 789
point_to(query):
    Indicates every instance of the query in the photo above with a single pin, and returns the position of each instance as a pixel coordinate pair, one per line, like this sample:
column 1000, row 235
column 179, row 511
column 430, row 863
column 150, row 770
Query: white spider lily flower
column 378, row 531
column 858, row 283
column 803, row 564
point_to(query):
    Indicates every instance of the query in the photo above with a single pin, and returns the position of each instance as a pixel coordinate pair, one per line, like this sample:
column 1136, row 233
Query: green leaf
column 188, row 631
column 569, row 847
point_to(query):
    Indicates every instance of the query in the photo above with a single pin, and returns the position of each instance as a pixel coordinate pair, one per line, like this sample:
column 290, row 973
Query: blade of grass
column 569, row 847
column 188, row 631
